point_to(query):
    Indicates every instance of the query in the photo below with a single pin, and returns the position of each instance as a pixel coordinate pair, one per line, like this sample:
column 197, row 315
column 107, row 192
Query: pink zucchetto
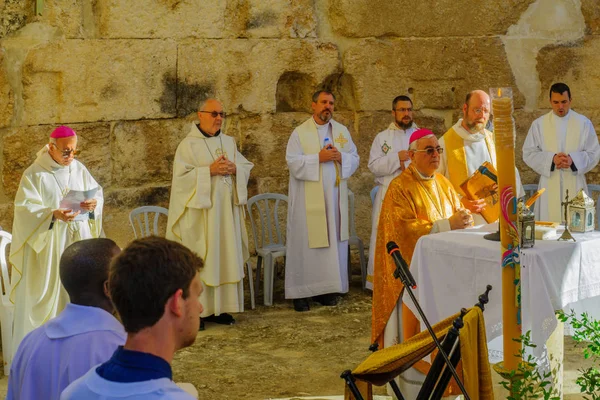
column 62, row 132
column 418, row 134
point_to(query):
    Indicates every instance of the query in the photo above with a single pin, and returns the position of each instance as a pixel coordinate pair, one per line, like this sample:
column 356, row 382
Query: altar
column 452, row 268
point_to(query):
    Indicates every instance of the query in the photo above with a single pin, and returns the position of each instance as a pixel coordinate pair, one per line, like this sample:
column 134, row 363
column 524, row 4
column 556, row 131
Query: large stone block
column 6, row 96
column 437, row 73
column 246, row 76
column 409, row 18
column 92, row 80
column 205, row 19
column 143, row 151
column 591, row 13
column 574, row 64
column 21, row 145
column 66, row 15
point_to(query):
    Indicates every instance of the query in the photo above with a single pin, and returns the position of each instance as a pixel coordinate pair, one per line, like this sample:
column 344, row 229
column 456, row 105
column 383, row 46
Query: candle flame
column 499, row 92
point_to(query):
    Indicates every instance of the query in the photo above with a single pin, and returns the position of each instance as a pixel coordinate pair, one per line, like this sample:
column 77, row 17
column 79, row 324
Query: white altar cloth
column 453, row 268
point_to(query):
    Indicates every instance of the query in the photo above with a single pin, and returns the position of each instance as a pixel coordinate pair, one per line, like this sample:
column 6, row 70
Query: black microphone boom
column 402, row 272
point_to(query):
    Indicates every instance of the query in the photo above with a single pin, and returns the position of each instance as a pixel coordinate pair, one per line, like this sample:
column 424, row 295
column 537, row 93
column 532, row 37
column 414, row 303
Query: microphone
column 401, row 266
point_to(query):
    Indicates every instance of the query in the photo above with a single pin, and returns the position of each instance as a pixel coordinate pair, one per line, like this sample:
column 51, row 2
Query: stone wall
column 128, row 77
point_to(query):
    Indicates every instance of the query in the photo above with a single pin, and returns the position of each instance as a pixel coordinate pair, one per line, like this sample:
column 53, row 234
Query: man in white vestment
column 85, row 334
column 206, row 211
column 562, row 147
column 388, row 158
column 321, row 157
column 43, row 228
column 155, row 286
column 467, row 145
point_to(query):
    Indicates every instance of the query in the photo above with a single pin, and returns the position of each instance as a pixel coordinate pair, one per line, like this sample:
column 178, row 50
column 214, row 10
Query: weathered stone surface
column 437, row 72
column 6, row 216
column 143, row 151
column 246, row 75
column 67, row 15
column 574, row 65
column 20, row 148
column 92, row 80
column 205, row 19
column 591, row 13
column 14, row 14
column 406, row 18
column 6, row 96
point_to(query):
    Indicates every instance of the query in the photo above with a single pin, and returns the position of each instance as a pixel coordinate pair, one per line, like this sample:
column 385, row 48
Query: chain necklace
column 225, row 178
column 64, row 190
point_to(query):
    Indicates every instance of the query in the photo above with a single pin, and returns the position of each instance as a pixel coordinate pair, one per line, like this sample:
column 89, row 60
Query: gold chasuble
column 457, row 158
column 412, row 204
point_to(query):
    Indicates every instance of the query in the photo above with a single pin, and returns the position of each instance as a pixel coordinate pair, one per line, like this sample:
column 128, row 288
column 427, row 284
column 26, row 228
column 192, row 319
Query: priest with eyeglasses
column 418, row 202
column 206, row 211
column 45, row 224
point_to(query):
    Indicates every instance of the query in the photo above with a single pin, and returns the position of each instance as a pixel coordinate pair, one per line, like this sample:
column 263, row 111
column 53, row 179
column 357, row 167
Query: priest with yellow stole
column 418, row 202
column 321, row 157
column 466, row 146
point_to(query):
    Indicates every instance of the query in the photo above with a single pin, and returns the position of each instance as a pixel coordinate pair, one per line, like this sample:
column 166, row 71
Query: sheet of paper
column 73, row 199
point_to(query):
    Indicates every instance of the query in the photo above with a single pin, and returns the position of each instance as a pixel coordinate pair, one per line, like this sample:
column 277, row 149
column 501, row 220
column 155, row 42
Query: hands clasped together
column 330, row 153
column 562, row 161
column 222, row 166
column 461, row 219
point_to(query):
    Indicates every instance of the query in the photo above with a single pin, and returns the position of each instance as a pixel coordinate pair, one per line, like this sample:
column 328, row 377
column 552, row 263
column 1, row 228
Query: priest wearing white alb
column 42, row 229
column 321, row 156
column 562, row 147
column 388, row 158
column 467, row 145
column 206, row 211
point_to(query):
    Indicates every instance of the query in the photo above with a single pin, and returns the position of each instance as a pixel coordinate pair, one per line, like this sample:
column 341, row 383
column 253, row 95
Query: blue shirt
column 134, row 366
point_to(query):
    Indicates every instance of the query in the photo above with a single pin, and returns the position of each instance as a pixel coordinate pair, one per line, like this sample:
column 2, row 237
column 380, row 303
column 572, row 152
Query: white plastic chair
column 140, row 218
column 374, row 193
column 268, row 238
column 591, row 190
column 7, row 310
column 354, row 240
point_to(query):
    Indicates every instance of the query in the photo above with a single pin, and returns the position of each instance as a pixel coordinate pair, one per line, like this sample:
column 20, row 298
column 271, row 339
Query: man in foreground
column 155, row 286
column 83, row 335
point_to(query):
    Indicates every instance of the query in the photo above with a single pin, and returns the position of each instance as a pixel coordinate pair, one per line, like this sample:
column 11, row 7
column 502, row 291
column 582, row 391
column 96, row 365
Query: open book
column 483, row 185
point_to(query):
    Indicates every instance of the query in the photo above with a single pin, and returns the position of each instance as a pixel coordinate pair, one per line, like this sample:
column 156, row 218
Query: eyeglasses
column 404, row 110
column 215, row 114
column 481, row 110
column 430, row 150
column 67, row 153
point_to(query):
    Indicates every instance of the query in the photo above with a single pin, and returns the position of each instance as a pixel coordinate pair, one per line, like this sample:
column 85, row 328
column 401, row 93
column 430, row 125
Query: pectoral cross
column 341, row 140
column 219, row 152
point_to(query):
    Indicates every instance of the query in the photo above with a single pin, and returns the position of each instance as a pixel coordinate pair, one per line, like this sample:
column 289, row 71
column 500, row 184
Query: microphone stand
column 399, row 274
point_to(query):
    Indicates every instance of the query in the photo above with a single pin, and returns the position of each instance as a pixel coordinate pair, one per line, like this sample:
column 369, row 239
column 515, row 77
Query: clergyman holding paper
column 58, row 203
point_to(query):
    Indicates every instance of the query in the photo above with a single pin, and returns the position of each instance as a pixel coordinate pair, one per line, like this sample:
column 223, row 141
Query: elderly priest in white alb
column 562, row 147
column 206, row 211
column 42, row 229
column 321, row 157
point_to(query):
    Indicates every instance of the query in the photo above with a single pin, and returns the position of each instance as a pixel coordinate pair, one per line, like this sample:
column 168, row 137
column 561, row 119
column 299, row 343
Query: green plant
column 586, row 332
column 527, row 382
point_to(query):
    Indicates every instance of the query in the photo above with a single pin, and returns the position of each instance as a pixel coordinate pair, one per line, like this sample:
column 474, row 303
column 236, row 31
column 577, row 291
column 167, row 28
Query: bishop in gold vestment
column 418, row 202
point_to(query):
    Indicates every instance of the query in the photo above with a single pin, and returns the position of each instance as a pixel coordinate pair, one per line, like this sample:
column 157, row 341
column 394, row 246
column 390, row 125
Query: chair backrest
column 140, row 220
column 374, row 193
column 591, row 190
column 5, row 240
column 351, row 213
column 267, row 227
